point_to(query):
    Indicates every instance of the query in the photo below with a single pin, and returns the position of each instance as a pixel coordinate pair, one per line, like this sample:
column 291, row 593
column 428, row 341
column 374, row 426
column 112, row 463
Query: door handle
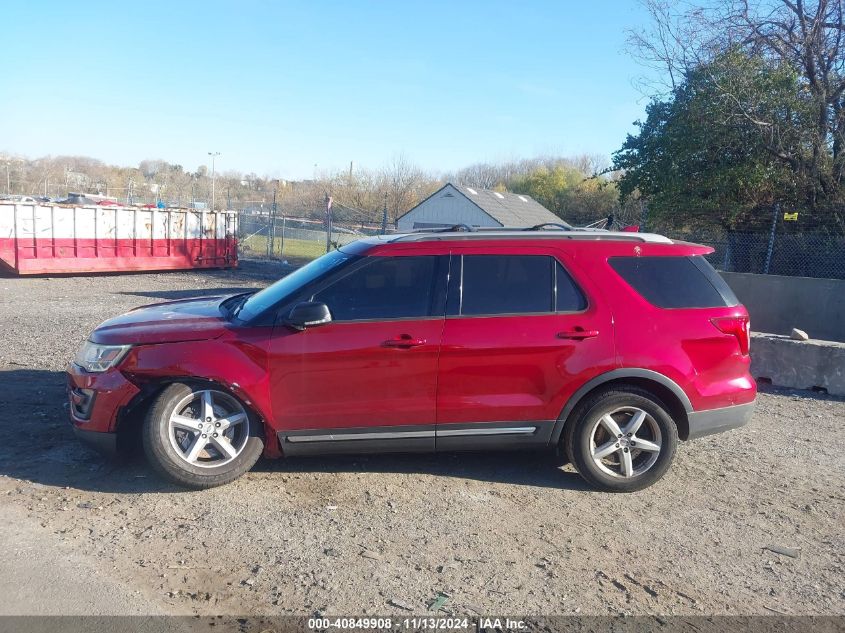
column 404, row 341
column 578, row 334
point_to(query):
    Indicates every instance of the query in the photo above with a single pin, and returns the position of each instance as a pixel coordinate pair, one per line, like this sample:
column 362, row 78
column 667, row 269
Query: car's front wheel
column 199, row 437
column 622, row 439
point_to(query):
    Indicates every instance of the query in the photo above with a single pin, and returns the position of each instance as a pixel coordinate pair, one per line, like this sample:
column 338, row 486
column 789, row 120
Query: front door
column 518, row 336
column 367, row 380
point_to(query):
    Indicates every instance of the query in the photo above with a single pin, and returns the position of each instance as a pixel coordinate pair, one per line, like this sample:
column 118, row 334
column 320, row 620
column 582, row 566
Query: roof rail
column 455, row 228
column 573, row 233
column 558, row 225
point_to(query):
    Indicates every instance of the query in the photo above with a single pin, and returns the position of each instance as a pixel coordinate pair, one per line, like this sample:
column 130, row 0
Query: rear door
column 520, row 335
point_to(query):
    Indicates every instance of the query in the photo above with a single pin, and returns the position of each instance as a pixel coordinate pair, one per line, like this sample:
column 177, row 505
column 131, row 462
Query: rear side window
column 517, row 284
column 675, row 282
column 568, row 296
column 506, row 284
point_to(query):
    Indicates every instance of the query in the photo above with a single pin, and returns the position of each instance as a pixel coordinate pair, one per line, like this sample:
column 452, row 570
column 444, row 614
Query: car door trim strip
column 511, row 430
column 377, row 435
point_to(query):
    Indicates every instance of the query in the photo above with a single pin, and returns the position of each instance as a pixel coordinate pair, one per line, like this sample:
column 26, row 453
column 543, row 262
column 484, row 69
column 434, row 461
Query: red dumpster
column 44, row 239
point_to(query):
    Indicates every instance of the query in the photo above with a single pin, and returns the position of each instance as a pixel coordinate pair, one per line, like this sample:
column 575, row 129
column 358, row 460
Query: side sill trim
column 512, row 430
column 340, row 437
column 398, row 435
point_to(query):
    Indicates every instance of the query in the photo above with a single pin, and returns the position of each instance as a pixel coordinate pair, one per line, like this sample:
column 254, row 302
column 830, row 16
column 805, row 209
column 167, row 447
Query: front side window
column 292, row 283
column 385, row 288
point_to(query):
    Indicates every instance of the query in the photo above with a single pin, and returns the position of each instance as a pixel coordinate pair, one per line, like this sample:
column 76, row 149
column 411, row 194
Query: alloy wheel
column 208, row 428
column 625, row 443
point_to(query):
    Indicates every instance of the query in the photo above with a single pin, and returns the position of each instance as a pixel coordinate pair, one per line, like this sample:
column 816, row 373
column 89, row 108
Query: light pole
column 384, row 216
column 272, row 241
column 213, row 156
column 9, row 162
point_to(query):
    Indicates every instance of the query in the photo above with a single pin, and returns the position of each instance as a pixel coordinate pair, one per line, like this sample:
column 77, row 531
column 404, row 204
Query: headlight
column 98, row 358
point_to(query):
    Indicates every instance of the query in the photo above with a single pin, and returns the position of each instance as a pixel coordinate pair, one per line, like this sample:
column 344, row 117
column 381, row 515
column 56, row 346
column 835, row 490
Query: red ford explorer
column 605, row 347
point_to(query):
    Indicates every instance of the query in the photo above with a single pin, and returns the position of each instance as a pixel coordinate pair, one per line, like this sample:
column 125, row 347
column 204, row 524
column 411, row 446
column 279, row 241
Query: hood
column 169, row 322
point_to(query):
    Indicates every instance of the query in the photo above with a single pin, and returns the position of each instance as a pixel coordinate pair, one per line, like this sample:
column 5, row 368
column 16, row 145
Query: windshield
column 288, row 285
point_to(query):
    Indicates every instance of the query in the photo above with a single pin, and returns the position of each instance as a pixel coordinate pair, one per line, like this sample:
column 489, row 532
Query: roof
column 508, row 209
column 509, row 233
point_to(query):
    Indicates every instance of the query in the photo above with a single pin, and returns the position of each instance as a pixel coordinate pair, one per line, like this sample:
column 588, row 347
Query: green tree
column 699, row 161
column 776, row 67
column 569, row 192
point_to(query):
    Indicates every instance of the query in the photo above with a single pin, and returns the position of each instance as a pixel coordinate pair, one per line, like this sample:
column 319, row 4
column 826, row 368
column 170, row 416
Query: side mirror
column 308, row 314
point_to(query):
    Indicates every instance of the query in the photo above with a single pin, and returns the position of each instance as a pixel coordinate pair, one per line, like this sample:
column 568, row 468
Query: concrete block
column 778, row 304
column 799, row 364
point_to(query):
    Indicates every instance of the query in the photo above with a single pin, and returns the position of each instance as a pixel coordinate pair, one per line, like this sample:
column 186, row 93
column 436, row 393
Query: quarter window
column 675, row 282
column 385, row 288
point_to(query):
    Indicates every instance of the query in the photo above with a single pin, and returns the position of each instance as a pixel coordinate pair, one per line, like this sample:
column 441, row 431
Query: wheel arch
column 131, row 417
column 663, row 387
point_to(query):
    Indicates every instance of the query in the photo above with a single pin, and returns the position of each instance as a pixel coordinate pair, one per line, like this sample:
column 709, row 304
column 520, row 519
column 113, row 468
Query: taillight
column 738, row 326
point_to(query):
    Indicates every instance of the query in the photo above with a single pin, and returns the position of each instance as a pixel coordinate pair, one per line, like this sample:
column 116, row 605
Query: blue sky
column 278, row 87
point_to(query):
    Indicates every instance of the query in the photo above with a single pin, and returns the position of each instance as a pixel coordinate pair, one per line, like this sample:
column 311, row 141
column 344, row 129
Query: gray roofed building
column 456, row 204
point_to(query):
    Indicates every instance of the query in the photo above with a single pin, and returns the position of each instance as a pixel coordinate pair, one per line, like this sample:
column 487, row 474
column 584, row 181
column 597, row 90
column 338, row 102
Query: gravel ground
column 386, row 534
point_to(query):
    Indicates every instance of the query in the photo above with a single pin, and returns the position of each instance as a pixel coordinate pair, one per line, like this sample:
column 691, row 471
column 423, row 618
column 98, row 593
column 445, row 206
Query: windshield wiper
column 238, row 302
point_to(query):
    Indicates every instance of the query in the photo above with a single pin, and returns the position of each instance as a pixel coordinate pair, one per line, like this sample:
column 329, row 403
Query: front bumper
column 96, row 401
column 702, row 423
column 105, row 443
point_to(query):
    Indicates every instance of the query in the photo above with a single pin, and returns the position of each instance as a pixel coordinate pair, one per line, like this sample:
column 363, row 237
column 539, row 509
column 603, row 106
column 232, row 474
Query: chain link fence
column 783, row 249
column 777, row 252
column 794, row 255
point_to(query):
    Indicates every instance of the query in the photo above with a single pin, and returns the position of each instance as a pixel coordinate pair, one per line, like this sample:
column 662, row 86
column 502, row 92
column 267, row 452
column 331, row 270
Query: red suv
column 606, row 347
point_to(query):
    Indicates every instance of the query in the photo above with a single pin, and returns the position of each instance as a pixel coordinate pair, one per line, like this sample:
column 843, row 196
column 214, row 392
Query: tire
column 185, row 448
column 589, row 437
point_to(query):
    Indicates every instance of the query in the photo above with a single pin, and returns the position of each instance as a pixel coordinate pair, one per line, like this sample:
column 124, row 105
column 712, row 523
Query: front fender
column 239, row 365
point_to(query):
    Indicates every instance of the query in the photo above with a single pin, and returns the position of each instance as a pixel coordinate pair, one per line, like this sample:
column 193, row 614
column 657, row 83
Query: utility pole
column 213, row 156
column 384, row 216
column 272, row 241
column 328, row 222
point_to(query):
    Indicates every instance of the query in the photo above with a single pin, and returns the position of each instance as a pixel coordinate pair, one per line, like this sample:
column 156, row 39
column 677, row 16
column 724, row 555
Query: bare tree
column 403, row 182
column 787, row 36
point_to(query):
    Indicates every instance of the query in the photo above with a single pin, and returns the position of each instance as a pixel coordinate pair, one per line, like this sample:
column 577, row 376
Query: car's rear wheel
column 622, row 439
column 199, row 437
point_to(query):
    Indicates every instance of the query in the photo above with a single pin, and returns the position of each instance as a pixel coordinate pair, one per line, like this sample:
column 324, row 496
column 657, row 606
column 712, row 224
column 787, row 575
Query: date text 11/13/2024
column 417, row 623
